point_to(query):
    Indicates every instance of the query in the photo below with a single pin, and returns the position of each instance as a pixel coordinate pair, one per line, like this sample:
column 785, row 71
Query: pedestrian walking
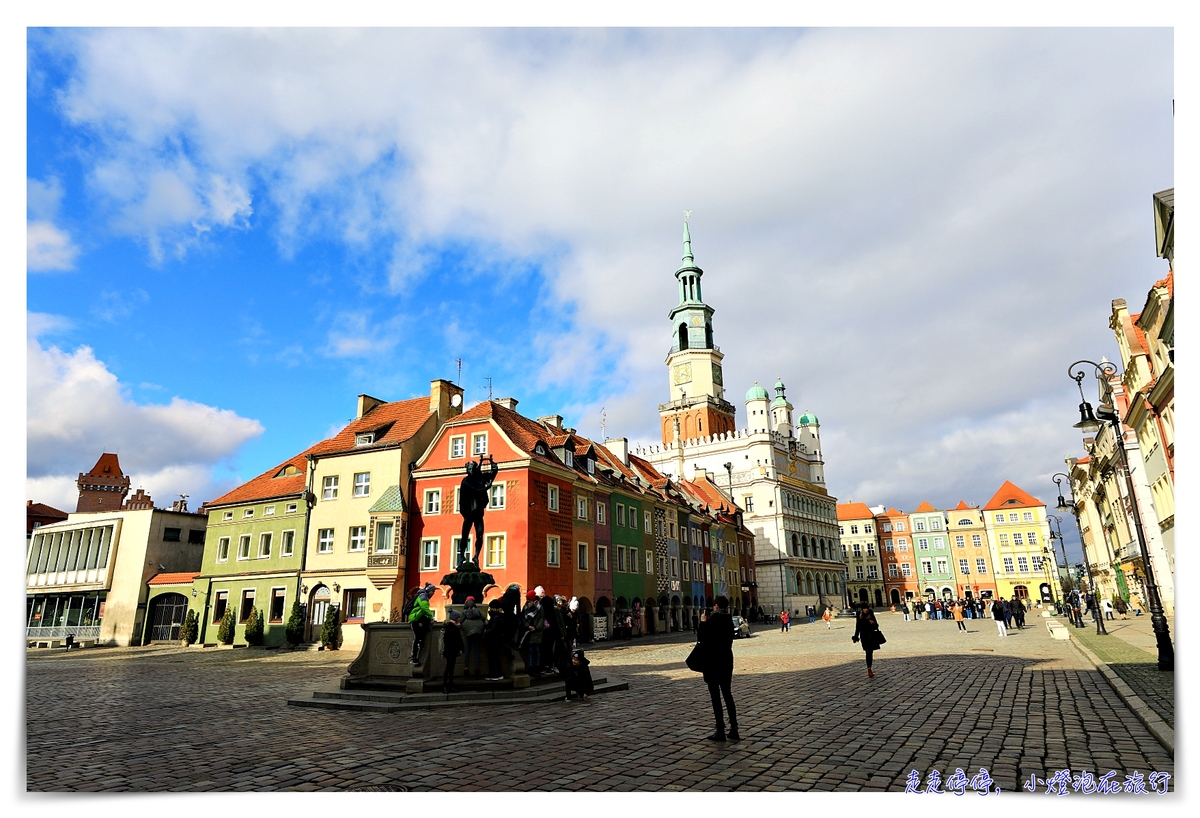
column 904, row 610
column 716, row 644
column 452, row 648
column 1108, row 609
column 784, row 621
column 812, row 614
column 998, row 615
column 867, row 633
column 958, row 617
column 828, row 617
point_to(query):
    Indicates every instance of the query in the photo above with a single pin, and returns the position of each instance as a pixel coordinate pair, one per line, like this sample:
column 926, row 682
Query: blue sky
column 234, row 232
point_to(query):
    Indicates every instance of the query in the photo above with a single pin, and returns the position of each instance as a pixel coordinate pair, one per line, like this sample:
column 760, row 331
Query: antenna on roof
column 602, row 417
column 489, row 386
column 459, row 362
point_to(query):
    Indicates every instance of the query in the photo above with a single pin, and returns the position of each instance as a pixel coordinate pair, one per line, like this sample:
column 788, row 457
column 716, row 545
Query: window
column 364, row 439
column 268, row 511
column 329, row 487
column 248, row 513
column 942, row 565
column 383, row 537
column 291, row 508
column 887, row 545
column 429, row 554
column 893, row 571
column 867, row 529
column 964, row 566
column 358, row 538
column 687, row 571
column 935, row 525
column 220, row 605
column 870, row 549
column 902, row 544
column 887, row 528
column 496, row 550
column 569, row 458
column 479, row 443
column 977, row 540
column 582, row 562
column 633, row 517
column 458, row 446
column 1017, row 540
column 858, row 572
column 244, row 547
column 960, row 541
column 581, row 508
column 228, row 515
column 674, row 566
column 552, row 548
column 552, row 498
column 857, row 549
column 872, row 572
column 1026, row 517
column 748, row 503
column 1008, row 565
column 671, row 529
column 920, row 525
column 649, row 564
column 927, row 566
column 964, row 521
column 906, row 569
column 1012, row 518
column 999, row 518
column 633, row 560
column 172, row 534
column 362, row 484
column 325, row 541
column 1031, row 537
column 433, row 501
column 853, row 529
column 619, row 514
column 601, row 558
column 356, row 603
column 247, row 604
column 287, row 544
column 278, row 597
column 264, row 544
column 600, row 513
column 620, row 564
column 923, row 543
column 900, row 526
column 460, row 552
column 980, row 565
column 1037, row 563
column 646, row 523
column 1023, row 564
column 1004, row 540
column 223, row 549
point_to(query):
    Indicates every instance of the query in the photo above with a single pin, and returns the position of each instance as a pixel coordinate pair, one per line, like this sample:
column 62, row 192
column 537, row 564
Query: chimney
column 507, row 403
column 442, row 396
column 618, row 446
column 365, row 404
column 554, row 421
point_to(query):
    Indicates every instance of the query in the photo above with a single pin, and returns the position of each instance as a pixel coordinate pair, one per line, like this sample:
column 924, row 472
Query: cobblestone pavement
column 1137, row 667
column 173, row 719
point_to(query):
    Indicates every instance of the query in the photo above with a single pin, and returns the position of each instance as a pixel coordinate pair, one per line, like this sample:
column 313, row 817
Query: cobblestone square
column 175, row 719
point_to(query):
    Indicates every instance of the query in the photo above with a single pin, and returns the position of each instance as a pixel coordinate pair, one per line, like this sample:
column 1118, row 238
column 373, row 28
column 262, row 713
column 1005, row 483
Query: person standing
column 1108, row 609
column 958, row 617
column 716, row 643
column 421, row 620
column 904, row 610
column 472, row 632
column 452, row 648
column 998, row 615
column 828, row 617
column 784, row 621
column 533, row 621
column 866, row 633
column 496, row 640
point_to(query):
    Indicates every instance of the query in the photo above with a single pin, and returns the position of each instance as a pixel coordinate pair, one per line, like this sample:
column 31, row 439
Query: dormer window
column 569, row 459
column 364, row 439
column 540, row 449
column 591, row 465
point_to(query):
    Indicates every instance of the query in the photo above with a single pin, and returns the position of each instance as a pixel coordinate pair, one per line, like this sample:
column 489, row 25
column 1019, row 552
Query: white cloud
column 77, row 409
column 47, row 247
column 358, row 334
column 908, row 225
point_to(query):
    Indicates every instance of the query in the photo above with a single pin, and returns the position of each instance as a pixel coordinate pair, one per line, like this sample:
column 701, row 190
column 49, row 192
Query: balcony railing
column 61, row 631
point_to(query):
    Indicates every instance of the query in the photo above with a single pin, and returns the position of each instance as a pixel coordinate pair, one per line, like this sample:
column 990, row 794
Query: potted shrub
column 228, row 627
column 254, row 628
column 191, row 629
column 331, row 635
column 294, row 629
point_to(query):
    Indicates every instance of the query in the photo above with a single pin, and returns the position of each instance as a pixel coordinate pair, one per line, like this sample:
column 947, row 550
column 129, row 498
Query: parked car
column 740, row 627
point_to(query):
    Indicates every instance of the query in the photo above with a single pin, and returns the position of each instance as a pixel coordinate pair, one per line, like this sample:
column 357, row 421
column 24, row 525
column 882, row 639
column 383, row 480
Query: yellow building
column 356, row 544
column 1019, row 538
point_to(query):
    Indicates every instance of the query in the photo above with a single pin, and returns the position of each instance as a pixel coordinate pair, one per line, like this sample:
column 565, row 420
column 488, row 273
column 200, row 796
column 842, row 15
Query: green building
column 932, row 551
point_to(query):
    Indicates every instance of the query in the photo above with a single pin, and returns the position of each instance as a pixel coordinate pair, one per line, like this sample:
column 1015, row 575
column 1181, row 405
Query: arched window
column 708, row 336
column 808, row 583
column 804, row 545
column 683, row 336
column 795, row 545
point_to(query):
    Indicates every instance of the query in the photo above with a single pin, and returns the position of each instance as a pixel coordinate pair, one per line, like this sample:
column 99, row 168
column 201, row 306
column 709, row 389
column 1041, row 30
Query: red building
column 900, row 579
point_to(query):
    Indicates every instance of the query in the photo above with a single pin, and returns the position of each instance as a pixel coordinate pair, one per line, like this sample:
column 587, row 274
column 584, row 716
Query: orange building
column 899, row 563
column 974, row 573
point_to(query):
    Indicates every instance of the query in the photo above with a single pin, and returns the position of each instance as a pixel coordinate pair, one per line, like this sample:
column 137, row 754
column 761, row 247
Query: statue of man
column 474, row 495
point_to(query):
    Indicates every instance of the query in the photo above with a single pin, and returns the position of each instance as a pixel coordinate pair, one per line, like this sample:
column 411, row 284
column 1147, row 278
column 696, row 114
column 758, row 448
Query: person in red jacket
column 785, row 620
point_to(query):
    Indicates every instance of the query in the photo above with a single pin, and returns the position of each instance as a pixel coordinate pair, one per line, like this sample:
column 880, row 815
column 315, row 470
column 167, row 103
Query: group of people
column 544, row 630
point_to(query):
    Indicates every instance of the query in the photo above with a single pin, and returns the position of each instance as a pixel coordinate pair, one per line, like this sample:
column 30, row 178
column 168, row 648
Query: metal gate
column 169, row 611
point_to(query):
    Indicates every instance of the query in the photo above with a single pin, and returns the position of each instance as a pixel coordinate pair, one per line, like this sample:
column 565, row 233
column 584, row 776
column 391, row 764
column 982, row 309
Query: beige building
column 1019, row 538
column 354, row 557
column 87, row 576
column 860, row 551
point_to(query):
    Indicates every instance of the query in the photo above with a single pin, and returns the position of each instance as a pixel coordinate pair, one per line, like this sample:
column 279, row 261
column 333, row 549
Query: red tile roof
column 33, row 509
column 854, row 511
column 522, row 431
column 107, row 464
column 267, row 485
column 1012, row 496
column 184, row 578
column 924, row 507
column 962, row 506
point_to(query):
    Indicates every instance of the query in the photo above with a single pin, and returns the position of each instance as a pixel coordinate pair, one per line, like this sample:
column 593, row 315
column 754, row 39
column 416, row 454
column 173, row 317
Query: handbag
column 882, row 638
column 696, row 659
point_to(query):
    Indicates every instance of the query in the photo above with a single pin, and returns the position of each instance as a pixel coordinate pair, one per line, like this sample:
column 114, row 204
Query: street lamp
column 1063, row 505
column 1162, row 632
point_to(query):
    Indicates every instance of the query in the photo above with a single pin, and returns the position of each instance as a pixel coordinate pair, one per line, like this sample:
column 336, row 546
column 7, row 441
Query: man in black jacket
column 716, row 640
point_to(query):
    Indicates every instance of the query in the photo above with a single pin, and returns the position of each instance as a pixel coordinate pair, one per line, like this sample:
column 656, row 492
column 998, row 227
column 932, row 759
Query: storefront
column 53, row 617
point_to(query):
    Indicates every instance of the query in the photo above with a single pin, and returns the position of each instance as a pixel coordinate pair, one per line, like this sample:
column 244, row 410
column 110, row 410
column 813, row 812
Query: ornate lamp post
column 1063, row 505
column 1090, row 424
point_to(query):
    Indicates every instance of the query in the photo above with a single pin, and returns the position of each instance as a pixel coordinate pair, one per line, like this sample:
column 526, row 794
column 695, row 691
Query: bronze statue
column 474, row 496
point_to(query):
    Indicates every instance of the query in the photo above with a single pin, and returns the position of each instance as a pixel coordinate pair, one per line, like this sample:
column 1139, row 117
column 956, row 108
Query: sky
column 232, row 233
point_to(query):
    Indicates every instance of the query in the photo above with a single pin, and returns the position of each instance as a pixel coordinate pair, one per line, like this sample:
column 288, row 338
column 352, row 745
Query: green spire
column 688, row 259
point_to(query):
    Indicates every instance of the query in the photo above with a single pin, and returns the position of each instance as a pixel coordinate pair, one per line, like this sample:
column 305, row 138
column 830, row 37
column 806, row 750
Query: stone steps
column 392, row 701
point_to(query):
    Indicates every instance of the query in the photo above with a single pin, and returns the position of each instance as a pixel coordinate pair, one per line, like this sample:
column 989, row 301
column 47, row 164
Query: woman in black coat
column 866, row 633
column 715, row 635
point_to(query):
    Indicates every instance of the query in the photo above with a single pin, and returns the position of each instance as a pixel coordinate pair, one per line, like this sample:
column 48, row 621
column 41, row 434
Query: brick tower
column 104, row 487
column 697, row 407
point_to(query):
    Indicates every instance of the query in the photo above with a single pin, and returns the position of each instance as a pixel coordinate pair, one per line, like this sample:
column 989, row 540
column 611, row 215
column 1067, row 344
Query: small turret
column 758, row 417
column 781, row 411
